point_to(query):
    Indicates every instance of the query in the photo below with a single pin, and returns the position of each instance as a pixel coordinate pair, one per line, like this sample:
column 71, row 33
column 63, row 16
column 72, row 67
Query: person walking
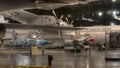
column 50, row 59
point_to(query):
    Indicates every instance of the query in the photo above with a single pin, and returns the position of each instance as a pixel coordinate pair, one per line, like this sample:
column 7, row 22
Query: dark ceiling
column 89, row 12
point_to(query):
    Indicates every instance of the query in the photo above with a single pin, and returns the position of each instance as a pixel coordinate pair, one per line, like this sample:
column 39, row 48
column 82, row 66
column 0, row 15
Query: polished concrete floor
column 86, row 59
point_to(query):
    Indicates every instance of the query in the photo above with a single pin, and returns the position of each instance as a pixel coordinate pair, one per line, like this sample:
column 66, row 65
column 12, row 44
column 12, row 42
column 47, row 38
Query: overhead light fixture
column 113, row 0
column 112, row 23
column 114, row 12
column 100, row 13
column 34, row 36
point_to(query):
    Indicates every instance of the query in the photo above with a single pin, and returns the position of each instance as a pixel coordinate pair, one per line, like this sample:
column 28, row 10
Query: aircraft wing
column 21, row 16
column 27, row 26
column 29, row 4
column 6, row 5
column 5, row 39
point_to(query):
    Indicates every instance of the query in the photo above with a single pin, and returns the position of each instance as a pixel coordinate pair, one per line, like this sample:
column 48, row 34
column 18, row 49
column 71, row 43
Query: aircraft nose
column 91, row 40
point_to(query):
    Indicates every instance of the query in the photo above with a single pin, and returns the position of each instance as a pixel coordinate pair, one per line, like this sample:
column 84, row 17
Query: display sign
column 34, row 50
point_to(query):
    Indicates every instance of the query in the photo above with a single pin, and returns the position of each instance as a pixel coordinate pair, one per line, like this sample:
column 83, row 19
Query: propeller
column 61, row 16
column 69, row 21
column 58, row 19
column 72, row 22
column 54, row 13
column 58, row 22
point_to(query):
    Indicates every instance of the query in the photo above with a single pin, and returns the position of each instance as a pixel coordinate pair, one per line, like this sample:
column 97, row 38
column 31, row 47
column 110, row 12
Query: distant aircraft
column 26, row 42
column 23, row 30
column 100, row 33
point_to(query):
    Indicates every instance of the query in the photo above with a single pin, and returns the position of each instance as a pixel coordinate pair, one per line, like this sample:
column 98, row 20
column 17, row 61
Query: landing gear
column 76, row 51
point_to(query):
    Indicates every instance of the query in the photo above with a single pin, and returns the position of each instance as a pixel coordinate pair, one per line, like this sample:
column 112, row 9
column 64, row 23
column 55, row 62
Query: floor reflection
column 61, row 59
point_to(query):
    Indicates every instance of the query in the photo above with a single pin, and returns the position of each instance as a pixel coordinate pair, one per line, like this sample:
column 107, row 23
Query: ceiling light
column 113, row 0
column 112, row 23
column 34, row 36
column 114, row 12
column 100, row 13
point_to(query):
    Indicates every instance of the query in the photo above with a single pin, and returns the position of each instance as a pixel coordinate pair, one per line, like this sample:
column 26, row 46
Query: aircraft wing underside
column 26, row 26
column 6, row 5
